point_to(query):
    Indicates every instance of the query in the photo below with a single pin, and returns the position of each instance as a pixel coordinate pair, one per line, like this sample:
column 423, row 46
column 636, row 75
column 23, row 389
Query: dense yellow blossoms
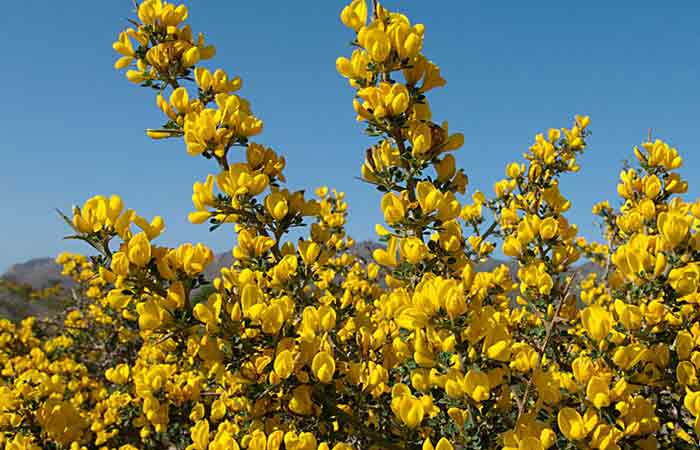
column 301, row 344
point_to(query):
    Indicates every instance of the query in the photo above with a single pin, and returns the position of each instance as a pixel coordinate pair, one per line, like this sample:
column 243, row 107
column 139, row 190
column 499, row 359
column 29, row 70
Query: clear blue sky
column 72, row 127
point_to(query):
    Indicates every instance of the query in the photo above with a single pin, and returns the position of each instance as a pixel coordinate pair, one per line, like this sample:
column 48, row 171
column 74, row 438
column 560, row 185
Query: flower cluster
column 302, row 343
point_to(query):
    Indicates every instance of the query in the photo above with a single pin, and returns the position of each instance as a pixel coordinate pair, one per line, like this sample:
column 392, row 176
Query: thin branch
column 522, row 404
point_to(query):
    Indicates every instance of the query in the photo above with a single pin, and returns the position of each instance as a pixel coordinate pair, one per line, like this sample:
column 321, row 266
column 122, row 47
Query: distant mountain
column 20, row 279
column 37, row 273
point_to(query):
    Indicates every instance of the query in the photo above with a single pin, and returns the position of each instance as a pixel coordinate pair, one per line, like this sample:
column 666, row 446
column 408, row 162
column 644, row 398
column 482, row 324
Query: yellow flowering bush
column 304, row 345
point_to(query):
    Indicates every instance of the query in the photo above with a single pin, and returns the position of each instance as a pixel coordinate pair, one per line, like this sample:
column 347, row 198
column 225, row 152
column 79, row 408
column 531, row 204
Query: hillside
column 20, row 279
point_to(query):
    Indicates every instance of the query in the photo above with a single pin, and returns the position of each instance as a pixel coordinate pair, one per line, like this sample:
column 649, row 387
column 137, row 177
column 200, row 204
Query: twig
column 522, row 404
column 211, row 394
column 165, row 338
column 608, row 264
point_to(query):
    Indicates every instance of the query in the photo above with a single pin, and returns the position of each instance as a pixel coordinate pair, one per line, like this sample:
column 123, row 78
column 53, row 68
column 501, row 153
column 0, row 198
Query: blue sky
column 72, row 127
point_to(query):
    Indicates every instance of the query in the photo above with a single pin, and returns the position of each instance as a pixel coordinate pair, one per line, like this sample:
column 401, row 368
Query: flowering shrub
column 304, row 346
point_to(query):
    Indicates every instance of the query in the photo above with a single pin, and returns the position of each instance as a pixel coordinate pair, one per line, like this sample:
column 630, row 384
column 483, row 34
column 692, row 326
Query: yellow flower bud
column 198, row 217
column 136, row 76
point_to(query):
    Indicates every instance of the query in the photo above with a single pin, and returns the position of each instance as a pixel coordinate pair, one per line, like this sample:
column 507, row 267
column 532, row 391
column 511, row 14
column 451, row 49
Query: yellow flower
column 222, row 441
column 407, row 407
column 652, row 186
column 387, row 257
column 191, row 57
column 443, row 444
column 428, row 196
column 139, row 250
column 661, row 154
column 549, row 228
column 120, row 264
column 412, row 319
column 386, row 100
column 218, row 82
column 514, row 170
column 692, row 402
column 673, row 227
column 276, row 205
column 407, row 40
column 180, row 100
column 393, row 208
column 192, row 259
column 323, row 366
column 272, row 318
column 355, row 68
column 629, row 315
column 628, row 356
column 355, row 15
column 597, row 322
column 239, row 180
column 258, row 440
column 284, row 364
column 150, row 315
column 583, row 369
column 675, row 185
column 512, row 247
column 685, row 280
column 598, row 392
column 301, row 402
column 685, row 374
column 571, row 424
column 309, row 251
column 118, row 374
column 445, row 168
column 414, row 250
column 200, row 435
column 477, row 385
column 206, row 315
column 420, row 135
column 376, row 42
